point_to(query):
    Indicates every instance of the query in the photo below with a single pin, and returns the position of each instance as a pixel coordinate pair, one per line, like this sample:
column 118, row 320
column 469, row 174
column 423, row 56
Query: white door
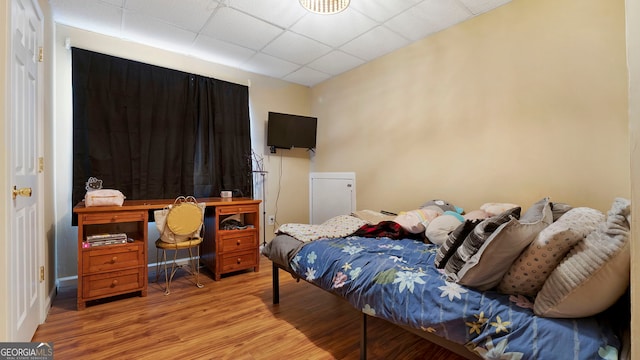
column 331, row 194
column 25, row 242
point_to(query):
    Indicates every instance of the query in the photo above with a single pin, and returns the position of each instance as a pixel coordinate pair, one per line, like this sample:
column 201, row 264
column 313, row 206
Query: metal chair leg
column 195, row 268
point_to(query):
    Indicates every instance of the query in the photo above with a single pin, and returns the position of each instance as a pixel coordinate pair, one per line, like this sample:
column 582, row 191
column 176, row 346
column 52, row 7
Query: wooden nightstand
column 109, row 270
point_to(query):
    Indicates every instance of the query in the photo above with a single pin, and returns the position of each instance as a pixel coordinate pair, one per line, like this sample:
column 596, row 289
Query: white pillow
column 529, row 272
column 438, row 229
column 486, row 267
column 594, row 274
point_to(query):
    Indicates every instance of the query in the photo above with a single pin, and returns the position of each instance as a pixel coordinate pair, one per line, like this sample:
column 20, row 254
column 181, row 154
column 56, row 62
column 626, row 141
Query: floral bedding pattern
column 397, row 281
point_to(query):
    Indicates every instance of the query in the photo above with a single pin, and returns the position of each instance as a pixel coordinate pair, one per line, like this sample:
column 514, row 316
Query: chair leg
column 195, row 268
column 164, row 264
column 157, row 264
column 166, row 274
column 174, row 269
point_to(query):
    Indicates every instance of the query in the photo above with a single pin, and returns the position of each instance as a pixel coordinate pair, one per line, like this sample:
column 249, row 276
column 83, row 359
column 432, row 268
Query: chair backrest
column 185, row 218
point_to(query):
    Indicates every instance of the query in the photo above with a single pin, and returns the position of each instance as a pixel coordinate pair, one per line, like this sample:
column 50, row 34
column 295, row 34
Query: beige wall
column 526, row 101
column 266, row 94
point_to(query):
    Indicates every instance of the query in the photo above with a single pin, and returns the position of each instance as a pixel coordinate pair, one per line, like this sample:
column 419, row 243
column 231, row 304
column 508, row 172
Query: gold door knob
column 26, row 192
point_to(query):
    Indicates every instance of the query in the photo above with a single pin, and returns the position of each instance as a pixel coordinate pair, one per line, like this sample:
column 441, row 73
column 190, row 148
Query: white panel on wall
column 331, row 194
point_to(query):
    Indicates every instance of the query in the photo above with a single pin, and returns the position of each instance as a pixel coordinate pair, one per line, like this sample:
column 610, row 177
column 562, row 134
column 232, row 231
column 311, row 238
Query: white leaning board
column 331, row 194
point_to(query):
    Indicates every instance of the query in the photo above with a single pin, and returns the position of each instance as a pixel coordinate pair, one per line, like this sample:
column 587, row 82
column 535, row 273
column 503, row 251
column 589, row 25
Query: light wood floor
column 233, row 318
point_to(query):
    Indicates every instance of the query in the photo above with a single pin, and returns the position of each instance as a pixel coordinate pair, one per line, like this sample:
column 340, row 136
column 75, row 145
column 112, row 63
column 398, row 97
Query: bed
column 395, row 277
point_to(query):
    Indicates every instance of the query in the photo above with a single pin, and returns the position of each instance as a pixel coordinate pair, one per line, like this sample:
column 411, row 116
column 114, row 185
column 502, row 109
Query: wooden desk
column 110, row 270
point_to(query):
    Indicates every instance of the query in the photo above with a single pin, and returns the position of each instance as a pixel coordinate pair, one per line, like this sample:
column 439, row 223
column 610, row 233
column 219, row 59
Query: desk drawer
column 112, row 283
column 112, row 257
column 233, row 240
column 113, row 217
column 239, row 260
column 236, row 209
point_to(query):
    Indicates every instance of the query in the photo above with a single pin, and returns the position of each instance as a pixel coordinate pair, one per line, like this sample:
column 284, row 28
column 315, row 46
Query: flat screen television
column 286, row 131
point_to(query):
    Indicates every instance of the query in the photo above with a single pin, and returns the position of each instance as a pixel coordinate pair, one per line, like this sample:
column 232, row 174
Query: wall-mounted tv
column 286, row 131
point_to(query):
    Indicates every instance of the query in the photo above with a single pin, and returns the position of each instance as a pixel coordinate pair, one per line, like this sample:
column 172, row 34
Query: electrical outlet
column 271, row 219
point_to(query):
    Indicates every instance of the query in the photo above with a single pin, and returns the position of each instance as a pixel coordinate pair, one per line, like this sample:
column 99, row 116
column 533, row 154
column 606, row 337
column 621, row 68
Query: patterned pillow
column 455, row 239
column 529, row 272
column 594, row 274
column 476, row 238
column 488, row 265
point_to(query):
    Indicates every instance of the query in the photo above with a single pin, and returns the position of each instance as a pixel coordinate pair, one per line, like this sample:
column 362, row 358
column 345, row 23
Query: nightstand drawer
column 112, row 283
column 233, row 240
column 239, row 260
column 112, row 257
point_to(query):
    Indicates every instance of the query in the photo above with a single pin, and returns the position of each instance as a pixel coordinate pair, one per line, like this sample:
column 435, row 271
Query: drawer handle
column 114, row 283
column 239, row 241
column 114, row 259
column 239, row 260
column 114, row 217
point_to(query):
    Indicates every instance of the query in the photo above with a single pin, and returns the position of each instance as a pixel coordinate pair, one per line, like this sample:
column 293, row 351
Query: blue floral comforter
column 397, row 281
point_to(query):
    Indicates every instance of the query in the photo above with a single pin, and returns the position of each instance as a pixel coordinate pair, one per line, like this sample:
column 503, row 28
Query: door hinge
column 41, row 273
column 40, row 164
column 40, row 54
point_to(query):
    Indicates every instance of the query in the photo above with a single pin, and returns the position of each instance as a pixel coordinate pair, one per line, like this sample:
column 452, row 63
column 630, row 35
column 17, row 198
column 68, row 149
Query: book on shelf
column 88, row 244
column 106, row 237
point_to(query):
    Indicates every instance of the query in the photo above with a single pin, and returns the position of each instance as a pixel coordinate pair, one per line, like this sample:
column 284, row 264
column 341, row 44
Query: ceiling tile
column 334, row 30
column 306, row 76
column 375, row 43
column 185, row 14
column 269, row 65
column 482, row 6
column 428, row 17
column 239, row 28
column 296, row 48
column 442, row 13
column 336, row 62
column 218, row 51
column 88, row 14
column 118, row 3
column 277, row 12
column 156, row 33
column 382, row 10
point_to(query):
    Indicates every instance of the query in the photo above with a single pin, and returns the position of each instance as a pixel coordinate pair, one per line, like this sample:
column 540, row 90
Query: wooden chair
column 183, row 227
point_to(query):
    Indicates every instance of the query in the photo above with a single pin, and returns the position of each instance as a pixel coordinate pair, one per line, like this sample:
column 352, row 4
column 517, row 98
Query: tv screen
column 288, row 131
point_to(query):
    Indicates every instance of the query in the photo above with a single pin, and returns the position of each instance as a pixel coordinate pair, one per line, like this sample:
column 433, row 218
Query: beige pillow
column 529, row 272
column 486, row 267
column 594, row 274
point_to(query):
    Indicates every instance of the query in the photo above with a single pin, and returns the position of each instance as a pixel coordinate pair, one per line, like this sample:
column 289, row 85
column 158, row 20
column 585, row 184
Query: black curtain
column 223, row 139
column 157, row 133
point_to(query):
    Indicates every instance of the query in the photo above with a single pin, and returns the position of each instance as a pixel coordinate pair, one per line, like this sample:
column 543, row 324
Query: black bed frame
column 449, row 345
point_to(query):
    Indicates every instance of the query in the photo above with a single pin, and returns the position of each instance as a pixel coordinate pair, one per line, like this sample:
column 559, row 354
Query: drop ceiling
column 277, row 38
